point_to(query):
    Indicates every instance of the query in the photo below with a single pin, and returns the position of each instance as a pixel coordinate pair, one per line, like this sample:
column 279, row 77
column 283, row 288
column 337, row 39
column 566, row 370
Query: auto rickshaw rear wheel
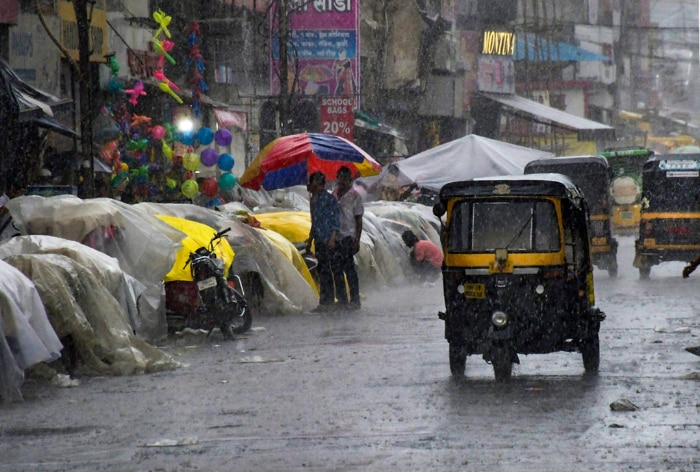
column 458, row 358
column 644, row 272
column 502, row 361
column 590, row 352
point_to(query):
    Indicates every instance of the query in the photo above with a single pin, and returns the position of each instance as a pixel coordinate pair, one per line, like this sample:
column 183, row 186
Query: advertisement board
column 337, row 117
column 323, row 49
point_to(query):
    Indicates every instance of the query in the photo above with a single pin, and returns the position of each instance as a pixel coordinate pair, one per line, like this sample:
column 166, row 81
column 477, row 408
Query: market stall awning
column 228, row 118
column 33, row 105
column 538, row 48
column 535, row 111
column 364, row 121
column 51, row 123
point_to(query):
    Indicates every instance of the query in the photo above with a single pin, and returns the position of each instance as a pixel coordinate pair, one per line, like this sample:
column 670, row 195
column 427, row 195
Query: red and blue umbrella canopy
column 289, row 160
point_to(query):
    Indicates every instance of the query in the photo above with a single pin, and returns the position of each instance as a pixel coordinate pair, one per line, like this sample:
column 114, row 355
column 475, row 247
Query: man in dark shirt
column 325, row 223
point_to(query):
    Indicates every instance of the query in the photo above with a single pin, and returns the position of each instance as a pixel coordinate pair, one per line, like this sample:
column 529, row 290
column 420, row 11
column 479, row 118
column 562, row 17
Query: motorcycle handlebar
column 221, row 233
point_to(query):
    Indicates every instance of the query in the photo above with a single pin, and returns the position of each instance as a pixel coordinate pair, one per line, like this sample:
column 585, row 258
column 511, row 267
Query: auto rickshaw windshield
column 479, row 226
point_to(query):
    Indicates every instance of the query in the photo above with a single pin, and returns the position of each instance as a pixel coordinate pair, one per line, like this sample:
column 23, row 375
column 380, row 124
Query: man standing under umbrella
column 351, row 211
column 325, row 223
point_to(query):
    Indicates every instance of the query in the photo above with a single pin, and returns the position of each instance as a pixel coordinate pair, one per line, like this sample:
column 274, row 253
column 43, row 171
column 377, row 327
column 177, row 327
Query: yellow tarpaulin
column 293, row 225
column 289, row 227
column 198, row 235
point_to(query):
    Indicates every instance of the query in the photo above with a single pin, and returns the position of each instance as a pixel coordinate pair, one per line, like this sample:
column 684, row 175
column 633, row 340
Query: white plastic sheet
column 26, row 336
column 144, row 246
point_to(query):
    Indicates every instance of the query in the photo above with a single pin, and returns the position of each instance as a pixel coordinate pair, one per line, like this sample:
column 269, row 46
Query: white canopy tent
column 462, row 159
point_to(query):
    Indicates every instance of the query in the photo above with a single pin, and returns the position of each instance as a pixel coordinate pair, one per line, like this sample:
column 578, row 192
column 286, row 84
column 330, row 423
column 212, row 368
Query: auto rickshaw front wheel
column 590, row 352
column 458, row 358
column 502, row 361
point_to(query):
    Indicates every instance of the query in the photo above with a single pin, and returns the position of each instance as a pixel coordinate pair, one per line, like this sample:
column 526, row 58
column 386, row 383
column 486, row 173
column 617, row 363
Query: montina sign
column 498, row 43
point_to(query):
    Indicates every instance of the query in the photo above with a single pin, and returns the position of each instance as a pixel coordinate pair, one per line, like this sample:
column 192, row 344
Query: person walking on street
column 325, row 223
column 426, row 257
column 351, row 211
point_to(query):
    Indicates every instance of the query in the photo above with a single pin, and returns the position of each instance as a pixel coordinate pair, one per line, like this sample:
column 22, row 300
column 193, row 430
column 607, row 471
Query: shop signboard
column 323, row 49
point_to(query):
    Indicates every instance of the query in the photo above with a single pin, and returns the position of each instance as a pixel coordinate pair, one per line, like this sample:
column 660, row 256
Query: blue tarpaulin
column 537, row 48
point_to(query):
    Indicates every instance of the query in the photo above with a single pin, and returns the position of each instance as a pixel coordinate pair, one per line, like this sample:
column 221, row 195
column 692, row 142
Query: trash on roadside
column 165, row 442
column 623, row 405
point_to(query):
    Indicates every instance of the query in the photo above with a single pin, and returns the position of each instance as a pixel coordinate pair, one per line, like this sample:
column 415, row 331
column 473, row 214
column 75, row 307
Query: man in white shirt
column 351, row 211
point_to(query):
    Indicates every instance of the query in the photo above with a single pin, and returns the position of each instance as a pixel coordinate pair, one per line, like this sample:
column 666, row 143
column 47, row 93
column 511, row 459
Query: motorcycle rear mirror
column 439, row 210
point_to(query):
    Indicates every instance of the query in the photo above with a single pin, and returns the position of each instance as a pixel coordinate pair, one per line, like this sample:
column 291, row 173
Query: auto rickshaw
column 592, row 174
column 669, row 228
column 626, row 186
column 517, row 274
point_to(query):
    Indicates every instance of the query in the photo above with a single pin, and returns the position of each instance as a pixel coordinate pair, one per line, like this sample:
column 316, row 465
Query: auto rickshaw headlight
column 539, row 289
column 499, row 319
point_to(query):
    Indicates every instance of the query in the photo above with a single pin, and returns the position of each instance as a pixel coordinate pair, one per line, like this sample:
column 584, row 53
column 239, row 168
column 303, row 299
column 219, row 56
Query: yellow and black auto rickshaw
column 626, row 186
column 592, row 174
column 669, row 228
column 517, row 274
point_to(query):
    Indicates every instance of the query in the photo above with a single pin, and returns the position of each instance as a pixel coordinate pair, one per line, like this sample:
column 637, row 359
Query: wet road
column 371, row 390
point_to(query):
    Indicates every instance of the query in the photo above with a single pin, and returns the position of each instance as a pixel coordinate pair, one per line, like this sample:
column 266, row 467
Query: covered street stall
column 536, row 125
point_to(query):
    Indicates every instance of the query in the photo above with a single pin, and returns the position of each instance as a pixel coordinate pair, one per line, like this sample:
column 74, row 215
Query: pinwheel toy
column 135, row 92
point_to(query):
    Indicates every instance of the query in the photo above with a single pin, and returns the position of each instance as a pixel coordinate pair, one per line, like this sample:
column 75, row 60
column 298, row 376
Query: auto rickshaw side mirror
column 439, row 209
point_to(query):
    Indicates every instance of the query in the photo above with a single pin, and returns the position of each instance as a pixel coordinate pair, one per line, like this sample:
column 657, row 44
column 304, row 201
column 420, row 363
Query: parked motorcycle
column 210, row 300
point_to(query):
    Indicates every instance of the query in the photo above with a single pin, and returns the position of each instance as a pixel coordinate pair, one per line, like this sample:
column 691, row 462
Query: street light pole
column 83, row 19
column 284, row 69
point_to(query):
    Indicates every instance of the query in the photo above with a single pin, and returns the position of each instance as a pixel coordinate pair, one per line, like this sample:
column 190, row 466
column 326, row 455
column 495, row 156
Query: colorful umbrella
column 289, row 160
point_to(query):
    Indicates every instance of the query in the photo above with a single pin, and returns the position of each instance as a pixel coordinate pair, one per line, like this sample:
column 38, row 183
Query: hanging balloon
column 208, row 157
column 227, row 181
column 190, row 161
column 210, row 187
column 185, row 137
column 170, row 183
column 158, row 132
column 189, row 188
column 205, row 136
column 223, row 137
column 225, row 162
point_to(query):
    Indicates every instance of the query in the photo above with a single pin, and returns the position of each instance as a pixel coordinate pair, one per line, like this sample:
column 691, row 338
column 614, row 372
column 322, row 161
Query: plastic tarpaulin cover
column 144, row 245
column 79, row 305
column 462, row 159
column 123, row 287
column 26, row 335
column 286, row 291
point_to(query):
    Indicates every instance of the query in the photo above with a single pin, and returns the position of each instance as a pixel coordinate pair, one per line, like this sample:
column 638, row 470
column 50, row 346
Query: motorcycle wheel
column 240, row 318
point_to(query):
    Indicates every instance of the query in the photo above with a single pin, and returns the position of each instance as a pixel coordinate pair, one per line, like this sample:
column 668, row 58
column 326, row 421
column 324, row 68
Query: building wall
column 33, row 56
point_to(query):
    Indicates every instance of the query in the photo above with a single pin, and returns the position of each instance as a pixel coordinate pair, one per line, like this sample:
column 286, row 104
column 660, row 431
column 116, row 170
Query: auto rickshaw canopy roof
column 556, row 185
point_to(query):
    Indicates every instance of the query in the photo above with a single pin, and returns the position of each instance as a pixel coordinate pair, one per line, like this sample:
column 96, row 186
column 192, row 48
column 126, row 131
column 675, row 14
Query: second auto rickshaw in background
column 669, row 228
column 517, row 274
column 592, row 174
column 626, row 186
